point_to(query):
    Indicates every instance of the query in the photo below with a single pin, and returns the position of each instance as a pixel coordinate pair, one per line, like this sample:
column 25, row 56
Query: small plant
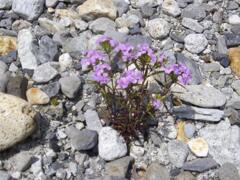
column 121, row 74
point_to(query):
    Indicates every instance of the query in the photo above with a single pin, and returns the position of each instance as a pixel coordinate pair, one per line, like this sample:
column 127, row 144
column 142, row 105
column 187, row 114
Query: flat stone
column 70, row 85
column 101, row 25
column 232, row 40
column 51, row 26
column 82, row 140
column 21, row 161
column 234, row 57
column 178, row 152
column 91, row 9
column 171, row 7
column 119, row 167
column 228, row 171
column 111, row 145
column 17, row 86
column 37, row 96
column 26, row 49
column 192, row 24
column 92, row 120
column 51, row 89
column 198, row 147
column 194, row 11
column 200, row 95
column 201, row 114
column 157, row 172
column 200, row 165
column 28, row 9
column 158, row 28
column 16, row 120
column 195, row 43
column 7, row 44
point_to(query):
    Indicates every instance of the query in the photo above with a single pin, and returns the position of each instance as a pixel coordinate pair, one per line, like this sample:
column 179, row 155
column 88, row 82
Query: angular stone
column 70, row 85
column 101, row 25
column 28, row 9
column 44, row 73
column 92, row 120
column 157, row 172
column 200, row 95
column 158, row 28
column 234, row 57
column 51, row 26
column 75, row 44
column 171, row 7
column 192, row 24
column 21, row 161
column 195, row 113
column 26, row 49
column 232, row 40
column 195, row 43
column 3, row 81
column 65, row 61
column 5, row 4
column 51, row 89
column 16, row 120
column 200, row 165
column 111, row 145
column 185, row 176
column 199, row 147
column 36, row 96
column 228, row 172
column 91, row 9
column 7, row 44
column 17, row 86
column 194, row 11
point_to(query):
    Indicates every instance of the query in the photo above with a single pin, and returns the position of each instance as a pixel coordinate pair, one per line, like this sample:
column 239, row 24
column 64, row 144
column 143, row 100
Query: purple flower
column 100, row 73
column 113, row 43
column 126, row 51
column 144, row 49
column 156, row 103
column 129, row 77
column 91, row 57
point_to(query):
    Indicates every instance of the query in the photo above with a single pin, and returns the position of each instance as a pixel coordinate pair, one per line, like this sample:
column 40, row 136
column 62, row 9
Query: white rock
column 171, row 7
column 199, row 147
column 44, row 73
column 195, row 43
column 65, row 61
column 234, row 19
column 51, row 3
column 26, row 48
column 158, row 28
column 111, row 145
column 5, row 4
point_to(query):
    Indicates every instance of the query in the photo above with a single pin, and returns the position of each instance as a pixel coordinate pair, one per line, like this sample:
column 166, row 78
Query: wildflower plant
column 121, row 73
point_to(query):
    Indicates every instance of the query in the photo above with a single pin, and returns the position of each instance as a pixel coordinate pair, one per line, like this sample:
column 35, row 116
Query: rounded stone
column 199, row 147
column 158, row 28
column 37, row 96
column 195, row 43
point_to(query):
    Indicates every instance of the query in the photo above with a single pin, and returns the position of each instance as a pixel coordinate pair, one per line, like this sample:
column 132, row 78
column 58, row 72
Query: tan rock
column 234, row 57
column 16, row 120
column 66, row 13
column 92, row 9
column 37, row 96
column 199, row 147
column 7, row 44
column 181, row 136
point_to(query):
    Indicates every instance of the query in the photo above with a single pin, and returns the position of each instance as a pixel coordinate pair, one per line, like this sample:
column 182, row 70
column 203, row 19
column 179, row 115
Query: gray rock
column 75, row 44
column 138, row 39
column 4, row 175
column 5, row 4
column 119, row 167
column 232, row 40
column 121, row 6
column 224, row 146
column 200, row 165
column 228, row 171
column 51, row 26
column 221, row 45
column 157, row 172
column 51, row 89
column 82, row 140
column 147, row 11
column 178, row 152
column 236, row 86
column 200, row 95
column 51, row 3
column 28, row 9
column 195, row 43
column 70, row 86
column 211, row 67
column 92, row 120
column 17, row 86
column 111, row 145
column 189, row 130
column 3, row 67
column 26, row 49
column 158, row 28
column 178, row 35
column 185, row 176
column 193, row 67
column 140, row 3
column 121, row 37
column 3, row 81
column 195, row 113
column 48, row 50
column 194, row 11
column 101, row 25
column 192, row 24
column 44, row 73
column 171, row 7
column 21, row 161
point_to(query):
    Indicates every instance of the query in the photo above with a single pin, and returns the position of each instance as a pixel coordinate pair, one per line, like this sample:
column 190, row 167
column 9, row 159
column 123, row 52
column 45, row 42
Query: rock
column 178, row 152
column 228, row 171
column 48, row 50
column 51, row 89
column 80, row 24
column 200, row 165
column 7, row 44
column 92, row 120
column 181, row 136
column 51, row 26
column 157, row 172
column 44, row 73
column 198, row 147
column 91, row 9
column 21, row 161
column 185, row 176
column 70, row 86
column 236, row 86
column 234, row 19
column 111, row 145
column 234, row 57
column 5, row 4
column 147, row 11
column 122, row 6
column 3, row 67
column 232, row 40
column 28, row 9
column 3, row 81
column 4, row 175
column 65, row 61
column 193, row 67
column 192, row 24
column 222, row 59
column 223, row 147
column 51, row 3
column 171, row 7
column 17, row 86
column 200, row 95
column 221, row 45
column 36, row 96
column 189, row 130
column 16, row 120
column 195, row 43
column 158, row 28
column 26, row 49
column 194, row 11
column 82, row 140
column 118, row 167
column 195, row 113
column 75, row 44
column 101, row 25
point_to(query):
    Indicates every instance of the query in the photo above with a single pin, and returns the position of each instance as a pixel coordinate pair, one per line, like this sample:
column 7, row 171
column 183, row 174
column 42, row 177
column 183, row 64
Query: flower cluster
column 129, row 77
column 100, row 73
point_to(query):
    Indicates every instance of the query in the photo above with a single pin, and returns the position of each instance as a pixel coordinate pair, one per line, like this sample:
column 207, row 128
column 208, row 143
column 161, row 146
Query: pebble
column 17, row 86
column 101, row 25
column 228, row 171
column 189, row 130
column 7, row 44
column 198, row 147
column 156, row 171
column 51, row 89
column 232, row 40
column 21, row 161
column 194, row 11
column 185, row 176
column 195, row 43
column 200, row 165
column 158, row 28
column 192, row 24
column 51, row 26
column 234, row 57
column 65, row 61
column 44, row 73
column 111, row 145
column 234, row 19
column 236, row 86
column 171, row 7
column 70, row 86
column 37, row 96
column 92, row 120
